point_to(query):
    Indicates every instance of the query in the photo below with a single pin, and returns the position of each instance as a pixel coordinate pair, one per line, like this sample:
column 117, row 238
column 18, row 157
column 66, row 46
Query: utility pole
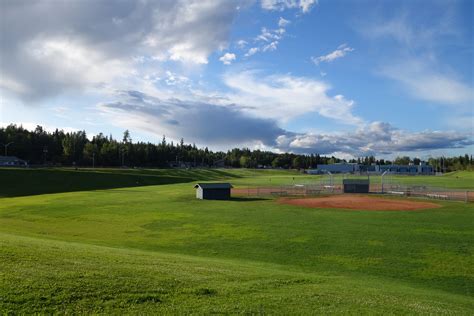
column 45, row 152
column 6, row 146
column 93, row 159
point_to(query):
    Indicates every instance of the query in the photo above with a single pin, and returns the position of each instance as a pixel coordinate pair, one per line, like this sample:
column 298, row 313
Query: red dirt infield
column 360, row 202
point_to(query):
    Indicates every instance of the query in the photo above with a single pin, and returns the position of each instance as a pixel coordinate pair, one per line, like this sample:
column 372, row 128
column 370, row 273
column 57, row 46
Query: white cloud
column 340, row 52
column 90, row 43
column 423, row 82
column 173, row 79
column 252, row 51
column 267, row 40
column 283, row 97
column 270, row 47
column 283, row 22
column 377, row 138
column 409, row 29
column 279, row 5
column 241, row 44
column 227, row 58
column 267, row 35
column 413, row 60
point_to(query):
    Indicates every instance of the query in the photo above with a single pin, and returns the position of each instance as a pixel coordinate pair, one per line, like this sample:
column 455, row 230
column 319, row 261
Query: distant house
column 12, row 161
column 213, row 191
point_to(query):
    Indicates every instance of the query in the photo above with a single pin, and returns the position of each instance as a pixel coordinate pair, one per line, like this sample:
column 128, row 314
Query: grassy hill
column 46, row 276
column 156, row 248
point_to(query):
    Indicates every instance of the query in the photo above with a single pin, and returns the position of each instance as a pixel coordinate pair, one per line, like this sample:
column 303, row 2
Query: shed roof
column 214, row 185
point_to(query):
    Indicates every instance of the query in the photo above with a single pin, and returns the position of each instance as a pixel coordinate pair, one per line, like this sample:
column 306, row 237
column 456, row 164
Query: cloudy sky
column 349, row 78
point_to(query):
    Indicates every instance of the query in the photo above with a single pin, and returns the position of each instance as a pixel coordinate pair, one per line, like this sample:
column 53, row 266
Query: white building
column 12, row 161
column 335, row 168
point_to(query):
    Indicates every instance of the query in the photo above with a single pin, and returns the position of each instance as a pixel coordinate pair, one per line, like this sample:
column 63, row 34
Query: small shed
column 356, row 185
column 213, row 191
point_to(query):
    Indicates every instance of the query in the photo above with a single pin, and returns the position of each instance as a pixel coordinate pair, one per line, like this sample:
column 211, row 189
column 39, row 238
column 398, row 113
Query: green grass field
column 113, row 245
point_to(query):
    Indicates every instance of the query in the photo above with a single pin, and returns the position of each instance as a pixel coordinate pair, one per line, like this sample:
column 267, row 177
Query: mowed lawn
column 155, row 248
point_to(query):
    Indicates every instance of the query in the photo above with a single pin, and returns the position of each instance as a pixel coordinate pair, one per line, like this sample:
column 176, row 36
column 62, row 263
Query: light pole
column 6, row 146
column 331, row 180
column 123, row 157
column 383, row 174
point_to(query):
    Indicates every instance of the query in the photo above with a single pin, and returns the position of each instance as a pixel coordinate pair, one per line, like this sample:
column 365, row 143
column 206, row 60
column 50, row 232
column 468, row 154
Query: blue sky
column 349, row 78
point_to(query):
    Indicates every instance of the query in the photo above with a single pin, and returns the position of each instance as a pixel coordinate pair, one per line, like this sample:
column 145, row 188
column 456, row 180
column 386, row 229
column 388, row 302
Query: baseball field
column 119, row 241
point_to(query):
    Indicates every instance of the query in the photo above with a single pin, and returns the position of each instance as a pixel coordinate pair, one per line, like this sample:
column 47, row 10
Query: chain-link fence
column 289, row 190
column 430, row 192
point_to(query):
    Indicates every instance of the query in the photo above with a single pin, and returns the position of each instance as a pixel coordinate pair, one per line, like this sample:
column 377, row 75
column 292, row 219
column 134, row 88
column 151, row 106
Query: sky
column 340, row 77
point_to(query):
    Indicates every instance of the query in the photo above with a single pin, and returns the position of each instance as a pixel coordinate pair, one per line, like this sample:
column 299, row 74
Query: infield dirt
column 360, row 202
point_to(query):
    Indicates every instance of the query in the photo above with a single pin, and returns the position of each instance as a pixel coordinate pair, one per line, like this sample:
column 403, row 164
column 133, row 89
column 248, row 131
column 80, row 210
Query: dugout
column 213, row 191
column 356, row 185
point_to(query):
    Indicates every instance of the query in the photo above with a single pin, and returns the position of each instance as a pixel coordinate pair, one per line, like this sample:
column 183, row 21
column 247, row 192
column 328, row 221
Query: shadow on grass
column 24, row 182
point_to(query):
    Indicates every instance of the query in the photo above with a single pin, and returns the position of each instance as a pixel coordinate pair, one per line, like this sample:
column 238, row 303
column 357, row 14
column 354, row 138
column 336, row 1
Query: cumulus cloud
column 340, row 52
column 283, row 97
column 279, row 5
column 200, row 122
column 227, row 58
column 85, row 43
column 375, row 138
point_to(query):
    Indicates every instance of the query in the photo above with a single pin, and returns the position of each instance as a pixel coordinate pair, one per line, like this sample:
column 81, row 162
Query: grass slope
column 44, row 276
column 23, row 182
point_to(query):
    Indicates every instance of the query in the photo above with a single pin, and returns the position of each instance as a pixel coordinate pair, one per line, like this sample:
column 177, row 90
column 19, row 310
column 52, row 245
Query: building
column 422, row 168
column 356, row 185
column 335, row 168
column 213, row 191
column 411, row 169
column 12, row 161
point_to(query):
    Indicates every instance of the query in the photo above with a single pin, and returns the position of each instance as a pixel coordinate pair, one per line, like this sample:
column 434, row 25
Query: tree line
column 40, row 147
